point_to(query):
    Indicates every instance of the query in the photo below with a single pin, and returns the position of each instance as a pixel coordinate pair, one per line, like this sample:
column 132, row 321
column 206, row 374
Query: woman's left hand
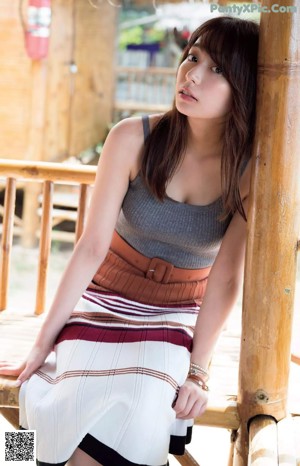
column 191, row 401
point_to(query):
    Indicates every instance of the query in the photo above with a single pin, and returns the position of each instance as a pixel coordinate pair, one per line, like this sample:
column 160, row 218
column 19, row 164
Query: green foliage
column 132, row 35
column 155, row 35
column 139, row 35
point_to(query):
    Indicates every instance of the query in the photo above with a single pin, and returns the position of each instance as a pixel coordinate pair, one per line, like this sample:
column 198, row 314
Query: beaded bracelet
column 197, row 370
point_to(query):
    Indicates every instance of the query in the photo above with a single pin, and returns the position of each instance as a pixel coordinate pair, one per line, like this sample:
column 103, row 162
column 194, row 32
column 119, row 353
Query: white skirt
column 109, row 385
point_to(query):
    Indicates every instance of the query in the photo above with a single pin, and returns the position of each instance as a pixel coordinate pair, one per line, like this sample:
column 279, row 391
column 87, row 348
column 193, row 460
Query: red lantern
column 37, row 33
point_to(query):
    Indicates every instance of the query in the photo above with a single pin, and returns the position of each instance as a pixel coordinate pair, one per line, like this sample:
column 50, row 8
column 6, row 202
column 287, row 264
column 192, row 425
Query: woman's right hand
column 25, row 369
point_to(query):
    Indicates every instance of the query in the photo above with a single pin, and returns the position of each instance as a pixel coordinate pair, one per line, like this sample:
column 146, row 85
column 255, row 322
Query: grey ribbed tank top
column 186, row 235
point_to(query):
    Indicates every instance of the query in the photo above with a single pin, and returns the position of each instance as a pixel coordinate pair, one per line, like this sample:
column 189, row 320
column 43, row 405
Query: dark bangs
column 231, row 44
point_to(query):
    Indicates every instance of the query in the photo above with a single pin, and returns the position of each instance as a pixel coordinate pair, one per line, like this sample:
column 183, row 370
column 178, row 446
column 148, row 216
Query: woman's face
column 201, row 89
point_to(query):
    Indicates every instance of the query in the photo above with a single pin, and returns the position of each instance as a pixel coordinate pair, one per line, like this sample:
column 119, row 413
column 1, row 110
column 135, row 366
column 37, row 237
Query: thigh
column 80, row 458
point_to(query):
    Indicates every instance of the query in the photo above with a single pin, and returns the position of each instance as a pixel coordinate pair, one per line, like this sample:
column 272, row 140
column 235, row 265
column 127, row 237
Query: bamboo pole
column 263, row 442
column 286, row 442
column 7, row 238
column 269, row 283
column 45, row 243
column 270, row 267
column 240, row 443
column 186, row 459
column 231, row 450
column 220, row 413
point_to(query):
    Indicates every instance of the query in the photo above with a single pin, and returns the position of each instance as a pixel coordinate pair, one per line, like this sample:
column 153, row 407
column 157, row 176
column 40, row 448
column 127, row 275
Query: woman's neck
column 206, row 137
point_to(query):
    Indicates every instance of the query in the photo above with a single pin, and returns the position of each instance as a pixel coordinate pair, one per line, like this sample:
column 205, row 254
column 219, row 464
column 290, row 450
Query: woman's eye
column 191, row 57
column 217, row 69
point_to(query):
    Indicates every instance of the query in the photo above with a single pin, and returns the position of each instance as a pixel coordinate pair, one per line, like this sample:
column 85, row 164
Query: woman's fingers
column 197, row 410
column 21, row 371
column 191, row 401
column 24, row 370
column 27, row 372
column 11, row 369
column 182, row 399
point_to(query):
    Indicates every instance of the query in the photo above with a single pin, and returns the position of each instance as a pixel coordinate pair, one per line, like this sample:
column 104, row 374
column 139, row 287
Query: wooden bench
column 17, row 329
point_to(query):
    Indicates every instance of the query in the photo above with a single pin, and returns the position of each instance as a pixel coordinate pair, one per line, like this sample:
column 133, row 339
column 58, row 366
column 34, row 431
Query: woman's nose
column 194, row 74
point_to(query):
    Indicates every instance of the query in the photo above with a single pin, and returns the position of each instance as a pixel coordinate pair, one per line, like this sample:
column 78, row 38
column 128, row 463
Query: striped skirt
column 110, row 383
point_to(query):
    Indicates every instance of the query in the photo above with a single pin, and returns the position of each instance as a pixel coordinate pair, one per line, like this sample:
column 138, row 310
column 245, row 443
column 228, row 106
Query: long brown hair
column 232, row 44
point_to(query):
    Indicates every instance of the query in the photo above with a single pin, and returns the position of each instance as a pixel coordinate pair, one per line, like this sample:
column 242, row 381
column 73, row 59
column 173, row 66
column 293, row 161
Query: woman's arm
column 222, row 290
column 118, row 161
column 119, row 156
column 221, row 293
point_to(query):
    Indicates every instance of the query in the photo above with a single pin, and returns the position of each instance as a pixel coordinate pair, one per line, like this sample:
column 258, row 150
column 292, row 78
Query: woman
column 129, row 368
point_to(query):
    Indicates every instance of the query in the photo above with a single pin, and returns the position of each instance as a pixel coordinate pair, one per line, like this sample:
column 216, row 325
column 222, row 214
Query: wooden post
column 270, row 267
column 45, row 245
column 7, row 238
column 35, row 148
column 82, row 211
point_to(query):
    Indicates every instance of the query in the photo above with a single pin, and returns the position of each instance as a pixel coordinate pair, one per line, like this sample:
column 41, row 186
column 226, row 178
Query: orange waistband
column 155, row 268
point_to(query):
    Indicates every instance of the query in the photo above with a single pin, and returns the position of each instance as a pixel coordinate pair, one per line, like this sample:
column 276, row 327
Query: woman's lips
column 187, row 95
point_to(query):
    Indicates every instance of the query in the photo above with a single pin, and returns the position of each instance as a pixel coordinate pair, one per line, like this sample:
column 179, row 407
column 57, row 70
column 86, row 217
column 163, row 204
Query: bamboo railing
column 47, row 174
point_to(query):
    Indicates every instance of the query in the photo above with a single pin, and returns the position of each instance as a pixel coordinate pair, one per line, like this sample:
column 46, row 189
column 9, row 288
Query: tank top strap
column 146, row 126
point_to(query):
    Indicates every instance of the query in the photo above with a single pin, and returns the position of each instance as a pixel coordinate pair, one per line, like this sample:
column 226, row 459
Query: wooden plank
column 263, row 442
column 78, row 31
column 45, row 243
column 91, row 108
column 286, row 442
column 42, row 171
column 11, row 415
column 7, row 237
column 15, row 82
column 60, row 82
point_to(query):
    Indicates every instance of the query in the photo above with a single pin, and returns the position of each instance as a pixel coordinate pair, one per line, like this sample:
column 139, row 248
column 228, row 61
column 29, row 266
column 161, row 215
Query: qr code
column 20, row 447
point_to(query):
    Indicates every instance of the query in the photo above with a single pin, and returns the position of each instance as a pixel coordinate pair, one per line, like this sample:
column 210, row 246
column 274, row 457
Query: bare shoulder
column 126, row 141
column 129, row 130
column 124, row 144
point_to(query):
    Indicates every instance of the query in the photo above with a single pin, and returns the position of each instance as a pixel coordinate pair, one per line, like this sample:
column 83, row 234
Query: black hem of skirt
column 178, row 443
column 104, row 454
column 109, row 457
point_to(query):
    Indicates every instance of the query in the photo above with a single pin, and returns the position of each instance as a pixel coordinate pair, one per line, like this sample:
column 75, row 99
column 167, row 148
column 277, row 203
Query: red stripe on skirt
column 124, row 335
